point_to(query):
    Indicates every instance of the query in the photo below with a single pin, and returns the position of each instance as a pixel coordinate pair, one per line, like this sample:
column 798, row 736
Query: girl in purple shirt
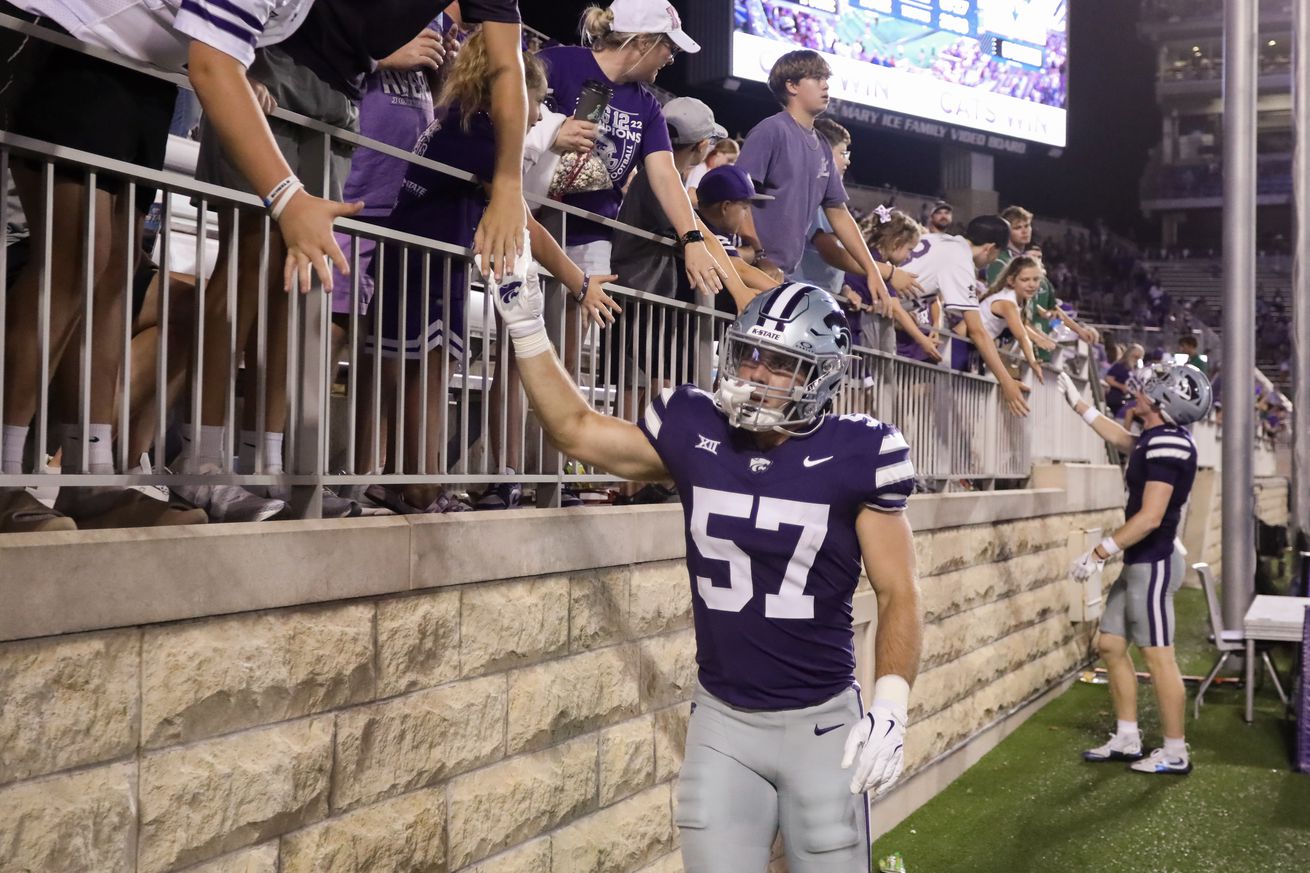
column 446, row 208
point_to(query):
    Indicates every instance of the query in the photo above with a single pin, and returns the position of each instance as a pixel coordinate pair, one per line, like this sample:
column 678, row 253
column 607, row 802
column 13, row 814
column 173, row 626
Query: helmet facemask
column 778, row 403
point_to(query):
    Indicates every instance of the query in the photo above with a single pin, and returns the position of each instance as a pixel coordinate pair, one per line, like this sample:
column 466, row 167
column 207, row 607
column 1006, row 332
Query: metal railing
column 354, row 415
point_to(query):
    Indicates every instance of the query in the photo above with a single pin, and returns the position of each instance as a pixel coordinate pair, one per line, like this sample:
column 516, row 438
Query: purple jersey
column 773, row 574
column 1163, row 454
column 633, row 128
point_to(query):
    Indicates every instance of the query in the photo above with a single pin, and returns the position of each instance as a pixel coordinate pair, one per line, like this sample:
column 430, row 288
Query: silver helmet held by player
column 794, row 330
column 1180, row 392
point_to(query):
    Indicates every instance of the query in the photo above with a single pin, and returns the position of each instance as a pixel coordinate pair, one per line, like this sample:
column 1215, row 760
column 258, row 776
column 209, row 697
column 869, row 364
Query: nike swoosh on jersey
column 816, row 462
column 818, row 731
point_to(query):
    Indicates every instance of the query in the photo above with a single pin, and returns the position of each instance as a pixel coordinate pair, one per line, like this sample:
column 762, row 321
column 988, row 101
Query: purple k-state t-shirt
column 796, row 166
column 633, row 127
column 396, row 108
column 772, row 553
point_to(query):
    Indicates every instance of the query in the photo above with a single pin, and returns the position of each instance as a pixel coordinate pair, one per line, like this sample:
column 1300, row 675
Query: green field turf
column 1032, row 804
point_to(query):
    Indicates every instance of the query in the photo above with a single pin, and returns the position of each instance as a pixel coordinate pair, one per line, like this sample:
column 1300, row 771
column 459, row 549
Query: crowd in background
column 979, row 292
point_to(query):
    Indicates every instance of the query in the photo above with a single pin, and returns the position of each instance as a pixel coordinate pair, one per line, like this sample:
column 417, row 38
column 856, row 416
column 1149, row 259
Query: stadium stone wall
column 457, row 724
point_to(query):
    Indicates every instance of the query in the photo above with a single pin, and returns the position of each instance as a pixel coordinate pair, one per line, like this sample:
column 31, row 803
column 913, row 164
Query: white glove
column 1088, row 564
column 878, row 742
column 1072, row 395
column 520, row 302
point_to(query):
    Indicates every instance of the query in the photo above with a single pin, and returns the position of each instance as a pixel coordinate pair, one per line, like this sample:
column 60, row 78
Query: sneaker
column 225, row 503
column 1118, row 749
column 1159, row 762
column 131, row 508
column 568, row 498
column 505, row 495
column 391, row 498
column 334, row 505
column 21, row 512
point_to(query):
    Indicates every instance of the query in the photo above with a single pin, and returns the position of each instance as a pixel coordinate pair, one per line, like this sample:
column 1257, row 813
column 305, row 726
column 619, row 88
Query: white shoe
column 155, row 492
column 1159, row 762
column 1120, row 748
column 228, row 502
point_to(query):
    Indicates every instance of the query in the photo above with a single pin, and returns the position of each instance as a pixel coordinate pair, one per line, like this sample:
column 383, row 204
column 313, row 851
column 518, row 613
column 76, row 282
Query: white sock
column 98, row 448
column 1175, row 748
column 272, row 452
column 1127, row 729
column 11, row 450
column 202, row 446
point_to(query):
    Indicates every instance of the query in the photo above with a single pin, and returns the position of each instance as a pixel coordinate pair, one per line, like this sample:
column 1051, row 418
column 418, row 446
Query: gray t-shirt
column 641, row 263
column 794, row 165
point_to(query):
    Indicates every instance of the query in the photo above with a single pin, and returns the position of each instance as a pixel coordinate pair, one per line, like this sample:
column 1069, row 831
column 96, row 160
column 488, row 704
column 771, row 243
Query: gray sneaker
column 334, row 505
column 228, row 502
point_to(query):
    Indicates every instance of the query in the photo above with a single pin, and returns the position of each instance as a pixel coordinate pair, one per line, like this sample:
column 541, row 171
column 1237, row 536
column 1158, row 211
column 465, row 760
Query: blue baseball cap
column 728, row 182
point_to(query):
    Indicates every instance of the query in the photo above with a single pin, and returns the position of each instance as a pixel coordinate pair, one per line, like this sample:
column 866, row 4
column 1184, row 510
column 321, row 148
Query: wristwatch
column 691, row 236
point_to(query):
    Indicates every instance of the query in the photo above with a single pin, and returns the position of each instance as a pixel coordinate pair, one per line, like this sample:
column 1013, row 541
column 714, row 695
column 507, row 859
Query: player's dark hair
column 1188, row 340
column 988, row 229
column 794, row 66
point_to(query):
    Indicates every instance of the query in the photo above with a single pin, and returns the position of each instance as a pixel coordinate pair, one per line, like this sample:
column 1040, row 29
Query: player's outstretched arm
column 876, row 744
column 1106, row 428
column 572, row 426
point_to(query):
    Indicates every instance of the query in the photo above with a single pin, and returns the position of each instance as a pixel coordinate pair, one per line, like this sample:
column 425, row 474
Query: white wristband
column 532, row 343
column 1090, row 414
column 272, row 196
column 892, row 689
column 284, row 198
column 1110, row 547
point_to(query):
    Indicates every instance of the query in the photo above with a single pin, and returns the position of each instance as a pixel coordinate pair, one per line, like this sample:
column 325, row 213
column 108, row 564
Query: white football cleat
column 1159, row 762
column 1120, row 748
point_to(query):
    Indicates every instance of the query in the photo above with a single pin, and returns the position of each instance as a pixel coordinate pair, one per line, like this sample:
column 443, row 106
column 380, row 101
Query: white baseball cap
column 652, row 16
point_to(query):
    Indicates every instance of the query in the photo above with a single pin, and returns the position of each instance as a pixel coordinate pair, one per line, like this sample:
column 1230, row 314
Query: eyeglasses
column 672, row 46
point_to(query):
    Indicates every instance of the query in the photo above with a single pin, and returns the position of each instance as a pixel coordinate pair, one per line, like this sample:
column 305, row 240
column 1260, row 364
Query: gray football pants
column 747, row 775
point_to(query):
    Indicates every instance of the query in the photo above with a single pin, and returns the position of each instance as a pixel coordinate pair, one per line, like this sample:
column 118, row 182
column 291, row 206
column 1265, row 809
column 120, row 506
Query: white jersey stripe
column 894, row 473
column 653, row 421
column 1168, row 453
column 893, row 442
column 1169, row 441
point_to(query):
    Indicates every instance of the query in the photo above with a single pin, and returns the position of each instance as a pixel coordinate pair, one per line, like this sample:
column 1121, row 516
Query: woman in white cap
column 628, row 44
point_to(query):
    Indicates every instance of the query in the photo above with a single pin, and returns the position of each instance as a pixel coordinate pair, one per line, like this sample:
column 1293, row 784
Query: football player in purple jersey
column 783, row 503
column 1140, row 605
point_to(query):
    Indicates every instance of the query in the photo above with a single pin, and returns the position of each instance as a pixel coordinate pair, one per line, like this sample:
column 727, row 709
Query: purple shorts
column 341, row 285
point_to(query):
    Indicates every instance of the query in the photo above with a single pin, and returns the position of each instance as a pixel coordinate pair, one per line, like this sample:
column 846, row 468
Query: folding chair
column 1226, row 642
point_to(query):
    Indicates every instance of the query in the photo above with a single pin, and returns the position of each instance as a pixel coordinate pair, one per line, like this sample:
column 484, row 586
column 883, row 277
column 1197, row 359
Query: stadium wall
column 488, row 693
